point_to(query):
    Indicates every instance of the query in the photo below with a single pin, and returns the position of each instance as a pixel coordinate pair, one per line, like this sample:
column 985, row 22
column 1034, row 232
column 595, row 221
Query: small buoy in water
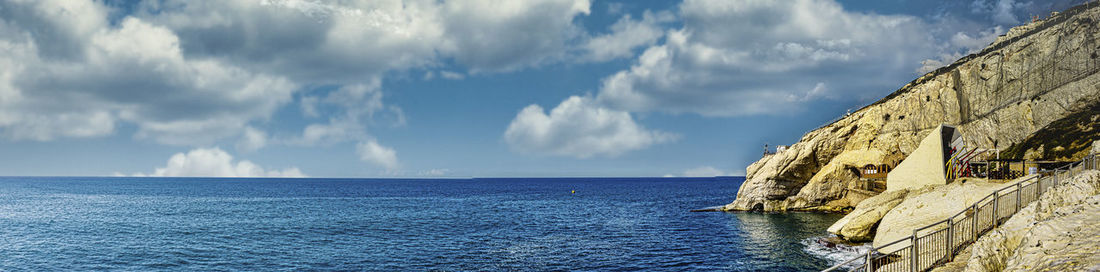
column 573, row 192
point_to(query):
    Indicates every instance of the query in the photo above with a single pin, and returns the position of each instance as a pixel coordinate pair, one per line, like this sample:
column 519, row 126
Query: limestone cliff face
column 1034, row 75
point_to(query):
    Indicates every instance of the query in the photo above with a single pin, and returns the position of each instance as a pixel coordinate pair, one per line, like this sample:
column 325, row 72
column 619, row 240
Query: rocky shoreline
column 1037, row 75
column 1034, row 93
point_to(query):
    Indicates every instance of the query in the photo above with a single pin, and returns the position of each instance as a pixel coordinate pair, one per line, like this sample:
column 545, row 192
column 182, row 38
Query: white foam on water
column 835, row 253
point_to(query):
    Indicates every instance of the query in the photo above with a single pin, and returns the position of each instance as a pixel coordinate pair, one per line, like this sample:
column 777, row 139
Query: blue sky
column 454, row 88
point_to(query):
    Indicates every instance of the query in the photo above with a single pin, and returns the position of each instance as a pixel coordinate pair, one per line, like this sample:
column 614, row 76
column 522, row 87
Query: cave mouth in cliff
column 759, row 207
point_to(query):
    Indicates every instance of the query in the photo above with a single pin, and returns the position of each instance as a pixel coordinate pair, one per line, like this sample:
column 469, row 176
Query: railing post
column 996, row 198
column 974, row 223
column 1017, row 197
column 914, row 255
column 1038, row 188
column 870, row 266
column 950, row 240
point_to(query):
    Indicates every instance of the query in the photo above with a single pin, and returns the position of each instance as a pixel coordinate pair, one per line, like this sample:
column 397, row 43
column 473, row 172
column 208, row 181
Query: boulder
column 859, row 225
column 929, row 205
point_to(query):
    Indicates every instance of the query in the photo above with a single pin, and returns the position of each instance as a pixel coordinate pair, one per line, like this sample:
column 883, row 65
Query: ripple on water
column 392, row 225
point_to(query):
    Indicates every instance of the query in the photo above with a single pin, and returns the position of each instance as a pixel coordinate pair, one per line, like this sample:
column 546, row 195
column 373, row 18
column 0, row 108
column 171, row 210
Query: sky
column 478, row 88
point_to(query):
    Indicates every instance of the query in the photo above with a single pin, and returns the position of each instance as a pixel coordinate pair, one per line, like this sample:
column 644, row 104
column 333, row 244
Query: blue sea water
column 73, row 223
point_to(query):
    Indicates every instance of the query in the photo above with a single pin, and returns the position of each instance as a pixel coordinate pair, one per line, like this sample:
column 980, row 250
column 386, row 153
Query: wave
column 826, row 247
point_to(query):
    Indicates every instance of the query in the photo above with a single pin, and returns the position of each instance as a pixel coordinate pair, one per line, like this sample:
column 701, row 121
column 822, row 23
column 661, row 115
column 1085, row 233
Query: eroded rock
column 859, row 225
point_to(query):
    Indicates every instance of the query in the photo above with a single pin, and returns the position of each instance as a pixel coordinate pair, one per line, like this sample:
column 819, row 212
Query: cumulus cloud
column 615, row 8
column 705, row 171
column 495, row 36
column 311, row 41
column 213, row 162
column 356, row 105
column 105, row 74
column 451, row 75
column 578, row 127
column 626, row 35
column 193, row 73
column 372, row 152
column 252, row 139
column 438, row 172
column 959, row 45
column 325, row 41
column 1003, row 12
column 708, row 67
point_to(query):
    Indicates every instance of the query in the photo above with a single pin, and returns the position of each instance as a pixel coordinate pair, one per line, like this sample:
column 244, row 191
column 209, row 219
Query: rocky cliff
column 1033, row 76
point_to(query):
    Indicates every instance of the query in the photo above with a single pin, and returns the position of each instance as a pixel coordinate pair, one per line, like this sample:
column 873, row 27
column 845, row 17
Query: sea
column 499, row 224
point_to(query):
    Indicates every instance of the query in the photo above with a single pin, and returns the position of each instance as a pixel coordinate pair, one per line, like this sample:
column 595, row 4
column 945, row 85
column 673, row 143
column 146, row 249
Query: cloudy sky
column 453, row 88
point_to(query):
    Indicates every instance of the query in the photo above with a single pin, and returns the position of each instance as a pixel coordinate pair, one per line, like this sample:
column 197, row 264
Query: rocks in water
column 859, row 225
column 1022, row 83
column 771, row 180
column 1058, row 232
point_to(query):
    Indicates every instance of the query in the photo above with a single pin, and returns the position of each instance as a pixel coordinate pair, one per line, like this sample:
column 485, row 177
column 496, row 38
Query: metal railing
column 937, row 243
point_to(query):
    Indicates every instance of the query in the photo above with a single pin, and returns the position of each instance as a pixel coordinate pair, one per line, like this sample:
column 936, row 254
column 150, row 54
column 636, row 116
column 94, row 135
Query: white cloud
column 356, row 105
column 194, row 73
column 959, row 45
column 705, row 171
column 1000, row 11
column 308, row 41
column 435, row 172
column 626, row 35
column 615, row 8
column 213, row 162
column 451, row 75
column 708, row 67
column 497, row 36
column 308, row 104
column 702, row 171
column 1003, row 12
column 335, row 42
column 83, row 76
column 62, row 28
column 372, row 152
column 251, row 140
column 579, row 128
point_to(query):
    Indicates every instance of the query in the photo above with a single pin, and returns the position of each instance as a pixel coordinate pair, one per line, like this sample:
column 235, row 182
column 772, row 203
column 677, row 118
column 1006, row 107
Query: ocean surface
column 73, row 223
